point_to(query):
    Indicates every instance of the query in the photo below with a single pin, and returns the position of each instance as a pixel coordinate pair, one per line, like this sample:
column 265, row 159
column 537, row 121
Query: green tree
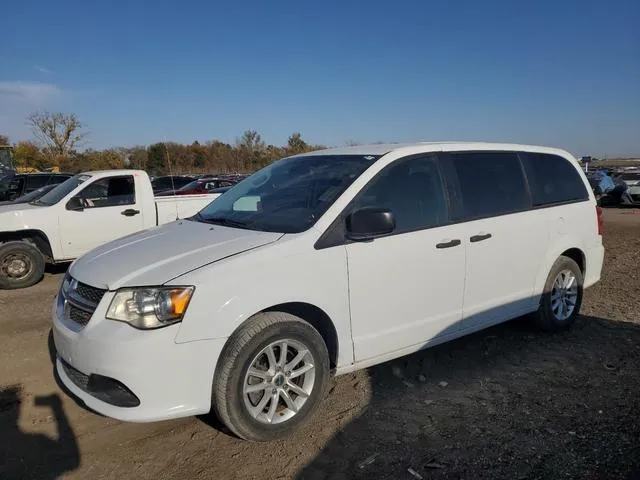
column 296, row 145
column 4, row 140
column 137, row 157
column 27, row 154
column 156, row 159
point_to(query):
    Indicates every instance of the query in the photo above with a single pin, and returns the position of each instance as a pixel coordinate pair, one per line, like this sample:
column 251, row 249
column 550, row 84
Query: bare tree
column 60, row 132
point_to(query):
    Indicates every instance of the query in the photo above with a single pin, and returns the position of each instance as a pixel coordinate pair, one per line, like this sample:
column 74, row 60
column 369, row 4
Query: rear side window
column 491, row 183
column 553, row 180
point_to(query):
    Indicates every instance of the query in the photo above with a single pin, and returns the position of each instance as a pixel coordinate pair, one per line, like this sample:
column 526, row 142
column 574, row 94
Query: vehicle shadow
column 56, row 268
column 507, row 402
column 35, row 455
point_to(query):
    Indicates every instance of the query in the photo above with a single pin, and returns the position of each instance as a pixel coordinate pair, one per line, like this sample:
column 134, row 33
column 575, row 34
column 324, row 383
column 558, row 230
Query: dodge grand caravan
column 324, row 263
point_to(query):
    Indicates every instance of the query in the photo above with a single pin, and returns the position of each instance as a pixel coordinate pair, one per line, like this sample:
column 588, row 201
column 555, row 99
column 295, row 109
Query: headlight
column 148, row 308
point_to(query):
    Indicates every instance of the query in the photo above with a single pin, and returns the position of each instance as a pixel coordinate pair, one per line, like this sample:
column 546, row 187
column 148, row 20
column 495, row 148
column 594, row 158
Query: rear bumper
column 593, row 269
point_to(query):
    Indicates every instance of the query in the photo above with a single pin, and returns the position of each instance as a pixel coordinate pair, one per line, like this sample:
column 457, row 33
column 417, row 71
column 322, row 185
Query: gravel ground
column 507, row 402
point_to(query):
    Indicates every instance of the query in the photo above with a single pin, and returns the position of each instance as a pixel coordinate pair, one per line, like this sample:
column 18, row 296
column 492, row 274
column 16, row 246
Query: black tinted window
column 490, row 183
column 412, row 189
column 553, row 179
column 17, row 184
column 56, row 179
column 36, row 181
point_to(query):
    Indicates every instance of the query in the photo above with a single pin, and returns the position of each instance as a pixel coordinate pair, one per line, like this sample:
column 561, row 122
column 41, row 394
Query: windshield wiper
column 227, row 222
column 197, row 217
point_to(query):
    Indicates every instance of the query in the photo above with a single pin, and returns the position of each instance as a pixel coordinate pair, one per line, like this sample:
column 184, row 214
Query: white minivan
column 324, row 263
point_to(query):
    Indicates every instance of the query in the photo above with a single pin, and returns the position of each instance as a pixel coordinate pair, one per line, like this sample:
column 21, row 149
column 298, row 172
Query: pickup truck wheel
column 562, row 296
column 21, row 265
column 271, row 376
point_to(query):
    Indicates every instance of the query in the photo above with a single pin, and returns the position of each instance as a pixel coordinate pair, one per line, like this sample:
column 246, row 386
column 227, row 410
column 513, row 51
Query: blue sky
column 560, row 73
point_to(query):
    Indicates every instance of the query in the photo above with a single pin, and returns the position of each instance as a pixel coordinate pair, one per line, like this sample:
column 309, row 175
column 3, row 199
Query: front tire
column 21, row 265
column 271, row 376
column 562, row 296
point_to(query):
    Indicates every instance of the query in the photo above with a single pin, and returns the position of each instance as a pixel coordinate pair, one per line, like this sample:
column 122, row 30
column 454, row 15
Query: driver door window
column 414, row 192
column 109, row 192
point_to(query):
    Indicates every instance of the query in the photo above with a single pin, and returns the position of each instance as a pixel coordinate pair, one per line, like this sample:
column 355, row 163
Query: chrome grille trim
column 78, row 301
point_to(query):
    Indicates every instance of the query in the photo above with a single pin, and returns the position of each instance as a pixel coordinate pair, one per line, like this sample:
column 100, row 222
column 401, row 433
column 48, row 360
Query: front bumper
column 168, row 379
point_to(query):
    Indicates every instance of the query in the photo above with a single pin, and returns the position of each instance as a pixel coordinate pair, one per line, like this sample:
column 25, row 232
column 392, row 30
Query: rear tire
column 21, row 265
column 258, row 393
column 562, row 297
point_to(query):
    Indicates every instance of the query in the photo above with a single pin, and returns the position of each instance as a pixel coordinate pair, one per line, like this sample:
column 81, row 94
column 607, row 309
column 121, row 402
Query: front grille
column 79, row 316
column 79, row 300
column 93, row 294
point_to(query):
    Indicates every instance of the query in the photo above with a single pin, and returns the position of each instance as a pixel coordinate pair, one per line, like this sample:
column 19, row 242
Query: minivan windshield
column 62, row 190
column 287, row 196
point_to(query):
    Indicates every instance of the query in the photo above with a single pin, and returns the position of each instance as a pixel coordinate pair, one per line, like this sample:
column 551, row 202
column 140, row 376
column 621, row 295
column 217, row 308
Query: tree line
column 59, row 138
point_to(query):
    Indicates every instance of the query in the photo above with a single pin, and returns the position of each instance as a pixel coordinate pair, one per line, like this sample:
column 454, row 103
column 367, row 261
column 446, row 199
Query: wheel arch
column 311, row 314
column 318, row 319
column 36, row 237
column 578, row 256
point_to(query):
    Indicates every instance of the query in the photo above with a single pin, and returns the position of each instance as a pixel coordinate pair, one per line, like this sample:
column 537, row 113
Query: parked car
column 31, row 196
column 5, row 181
column 78, row 215
column 201, row 186
column 22, row 183
column 170, row 182
column 324, row 263
column 631, row 179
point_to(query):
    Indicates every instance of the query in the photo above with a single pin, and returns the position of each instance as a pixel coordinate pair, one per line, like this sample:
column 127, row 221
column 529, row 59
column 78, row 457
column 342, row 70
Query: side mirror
column 368, row 223
column 75, row 204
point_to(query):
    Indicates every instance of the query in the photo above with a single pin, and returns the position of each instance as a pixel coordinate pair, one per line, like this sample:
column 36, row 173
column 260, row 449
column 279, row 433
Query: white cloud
column 42, row 69
column 18, row 99
column 30, row 92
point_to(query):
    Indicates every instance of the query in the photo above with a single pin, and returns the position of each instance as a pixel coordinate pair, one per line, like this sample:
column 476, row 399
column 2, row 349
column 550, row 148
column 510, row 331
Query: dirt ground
column 506, row 403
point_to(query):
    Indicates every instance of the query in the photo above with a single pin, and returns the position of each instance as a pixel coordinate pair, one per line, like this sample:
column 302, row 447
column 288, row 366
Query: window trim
column 133, row 180
column 335, row 234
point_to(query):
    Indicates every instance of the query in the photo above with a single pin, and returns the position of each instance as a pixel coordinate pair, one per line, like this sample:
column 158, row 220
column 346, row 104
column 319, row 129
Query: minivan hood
column 157, row 255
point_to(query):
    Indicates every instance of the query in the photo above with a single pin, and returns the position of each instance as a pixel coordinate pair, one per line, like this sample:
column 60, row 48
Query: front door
column 110, row 210
column 406, row 288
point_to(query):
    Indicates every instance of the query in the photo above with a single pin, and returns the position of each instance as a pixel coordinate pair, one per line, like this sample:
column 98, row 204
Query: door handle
column 129, row 212
column 449, row 244
column 480, row 237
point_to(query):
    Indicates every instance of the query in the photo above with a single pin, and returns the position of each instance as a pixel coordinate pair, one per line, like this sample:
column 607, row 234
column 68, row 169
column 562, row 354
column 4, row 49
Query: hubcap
column 279, row 381
column 564, row 295
column 16, row 266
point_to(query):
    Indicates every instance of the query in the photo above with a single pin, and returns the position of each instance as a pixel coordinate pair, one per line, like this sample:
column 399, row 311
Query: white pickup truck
column 85, row 211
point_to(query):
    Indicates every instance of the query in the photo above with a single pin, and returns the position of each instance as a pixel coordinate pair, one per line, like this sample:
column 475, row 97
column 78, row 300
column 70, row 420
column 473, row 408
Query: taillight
column 600, row 220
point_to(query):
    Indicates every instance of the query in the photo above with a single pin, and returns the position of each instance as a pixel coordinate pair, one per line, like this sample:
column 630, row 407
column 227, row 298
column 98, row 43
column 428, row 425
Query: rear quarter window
column 553, row 180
